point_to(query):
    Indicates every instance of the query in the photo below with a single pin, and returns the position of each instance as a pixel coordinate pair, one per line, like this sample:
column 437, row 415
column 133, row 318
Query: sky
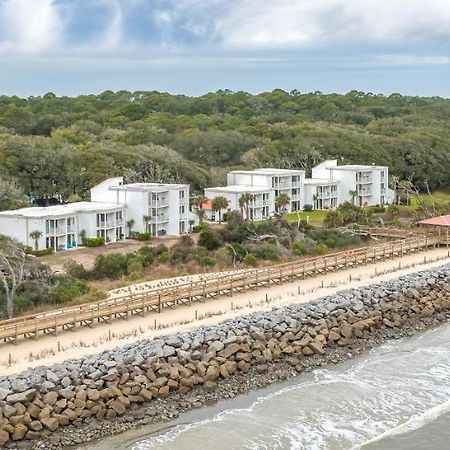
column 191, row 47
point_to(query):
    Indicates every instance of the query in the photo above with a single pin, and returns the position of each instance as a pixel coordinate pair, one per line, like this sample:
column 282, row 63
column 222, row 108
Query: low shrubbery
column 143, row 236
column 43, row 252
column 94, row 242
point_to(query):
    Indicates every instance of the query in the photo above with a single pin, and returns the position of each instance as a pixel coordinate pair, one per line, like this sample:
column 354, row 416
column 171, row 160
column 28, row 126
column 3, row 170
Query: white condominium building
column 359, row 184
column 156, row 208
column 61, row 227
column 255, row 202
column 282, row 181
column 321, row 193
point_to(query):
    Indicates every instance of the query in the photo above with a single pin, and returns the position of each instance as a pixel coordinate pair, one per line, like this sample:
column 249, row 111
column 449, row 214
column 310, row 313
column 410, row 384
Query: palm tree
column 147, row 220
column 36, row 235
column 281, row 202
column 353, row 195
column 218, row 204
column 244, row 203
column 198, row 201
column 130, row 225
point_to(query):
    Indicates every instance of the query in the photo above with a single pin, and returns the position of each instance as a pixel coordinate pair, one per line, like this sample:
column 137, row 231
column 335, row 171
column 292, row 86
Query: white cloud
column 28, row 25
column 307, row 22
column 113, row 33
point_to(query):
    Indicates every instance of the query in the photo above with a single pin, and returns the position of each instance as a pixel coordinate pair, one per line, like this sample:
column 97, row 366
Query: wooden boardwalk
column 157, row 299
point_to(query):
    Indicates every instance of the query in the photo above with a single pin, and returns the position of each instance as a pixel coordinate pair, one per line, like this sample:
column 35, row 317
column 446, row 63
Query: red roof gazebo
column 441, row 224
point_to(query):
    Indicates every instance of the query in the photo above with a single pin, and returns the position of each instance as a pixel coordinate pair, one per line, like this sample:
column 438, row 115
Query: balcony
column 57, row 230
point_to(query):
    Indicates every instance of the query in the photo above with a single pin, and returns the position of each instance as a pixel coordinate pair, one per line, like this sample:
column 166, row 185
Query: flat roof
column 148, row 187
column 62, row 210
column 356, row 167
column 239, row 188
column 269, row 171
column 440, row 221
column 320, row 181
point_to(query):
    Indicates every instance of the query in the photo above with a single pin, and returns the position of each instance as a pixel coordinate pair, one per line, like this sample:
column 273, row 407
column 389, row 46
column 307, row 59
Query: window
column 181, row 195
column 182, row 209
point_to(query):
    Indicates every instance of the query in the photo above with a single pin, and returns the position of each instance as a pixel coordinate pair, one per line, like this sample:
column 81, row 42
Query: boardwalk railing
column 214, row 285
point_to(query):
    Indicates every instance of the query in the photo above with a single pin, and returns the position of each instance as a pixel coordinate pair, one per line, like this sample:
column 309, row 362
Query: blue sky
column 194, row 46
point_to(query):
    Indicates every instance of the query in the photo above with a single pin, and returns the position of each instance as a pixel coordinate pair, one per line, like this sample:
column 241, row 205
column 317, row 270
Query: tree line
column 53, row 149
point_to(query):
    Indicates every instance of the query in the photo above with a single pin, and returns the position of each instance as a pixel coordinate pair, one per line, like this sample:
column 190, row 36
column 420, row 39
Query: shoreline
column 85, row 342
column 170, row 413
column 154, row 381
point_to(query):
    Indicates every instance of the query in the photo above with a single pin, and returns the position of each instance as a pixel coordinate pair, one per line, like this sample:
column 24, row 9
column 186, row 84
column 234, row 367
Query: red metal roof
column 441, row 221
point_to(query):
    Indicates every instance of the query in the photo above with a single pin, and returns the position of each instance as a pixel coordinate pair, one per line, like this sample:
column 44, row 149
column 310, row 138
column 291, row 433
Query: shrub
column 134, row 276
column 110, row 266
column 308, row 208
column 251, row 260
column 223, row 256
column 143, row 236
column 74, row 269
column 206, row 261
column 135, row 266
column 299, row 248
column 160, row 248
column 164, row 257
column 94, row 242
column 199, row 228
column 265, row 251
column 147, row 255
column 66, row 289
column 320, row 249
column 44, row 251
column 210, row 239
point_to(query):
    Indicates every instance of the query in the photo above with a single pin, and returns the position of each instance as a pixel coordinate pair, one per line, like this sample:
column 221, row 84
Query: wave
column 413, row 424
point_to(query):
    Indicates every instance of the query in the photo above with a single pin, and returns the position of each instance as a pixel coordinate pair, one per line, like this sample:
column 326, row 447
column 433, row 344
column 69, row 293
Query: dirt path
column 86, row 341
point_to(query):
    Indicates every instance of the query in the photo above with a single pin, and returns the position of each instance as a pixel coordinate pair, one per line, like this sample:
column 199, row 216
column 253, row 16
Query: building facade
column 156, row 208
column 254, row 202
column 62, row 227
column 321, row 193
column 358, row 184
column 282, row 181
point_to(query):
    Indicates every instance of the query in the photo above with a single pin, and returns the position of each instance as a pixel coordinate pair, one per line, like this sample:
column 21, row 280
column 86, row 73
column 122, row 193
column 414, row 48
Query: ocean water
column 394, row 397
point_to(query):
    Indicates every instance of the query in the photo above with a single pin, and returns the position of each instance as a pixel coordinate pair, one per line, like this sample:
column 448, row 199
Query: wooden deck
column 154, row 301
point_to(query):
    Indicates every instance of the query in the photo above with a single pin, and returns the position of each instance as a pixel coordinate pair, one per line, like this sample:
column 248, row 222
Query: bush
column 209, row 239
column 66, row 289
column 135, row 266
column 94, row 242
column 143, row 236
column 134, row 276
column 160, row 248
column 320, row 249
column 147, row 255
column 110, row 266
column 44, row 251
column 251, row 260
column 299, row 248
column 264, row 251
column 164, row 257
column 223, row 256
column 199, row 228
column 308, row 208
column 74, row 269
column 206, row 261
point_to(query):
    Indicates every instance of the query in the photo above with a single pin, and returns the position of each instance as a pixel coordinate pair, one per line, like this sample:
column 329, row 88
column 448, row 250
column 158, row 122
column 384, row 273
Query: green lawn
column 441, row 199
column 313, row 217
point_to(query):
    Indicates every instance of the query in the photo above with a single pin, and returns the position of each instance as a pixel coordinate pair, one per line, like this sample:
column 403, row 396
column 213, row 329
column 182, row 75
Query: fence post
column 159, row 302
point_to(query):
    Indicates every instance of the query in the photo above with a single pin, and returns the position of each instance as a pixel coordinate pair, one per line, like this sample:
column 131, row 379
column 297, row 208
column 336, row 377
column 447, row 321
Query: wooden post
column 35, row 328
column 231, row 286
column 56, row 325
column 204, row 289
column 281, row 275
column 159, row 302
column 143, row 307
column 257, row 281
column 128, row 309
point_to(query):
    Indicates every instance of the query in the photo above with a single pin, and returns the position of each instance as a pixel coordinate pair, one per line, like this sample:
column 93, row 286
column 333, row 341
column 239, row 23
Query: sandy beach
column 87, row 341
